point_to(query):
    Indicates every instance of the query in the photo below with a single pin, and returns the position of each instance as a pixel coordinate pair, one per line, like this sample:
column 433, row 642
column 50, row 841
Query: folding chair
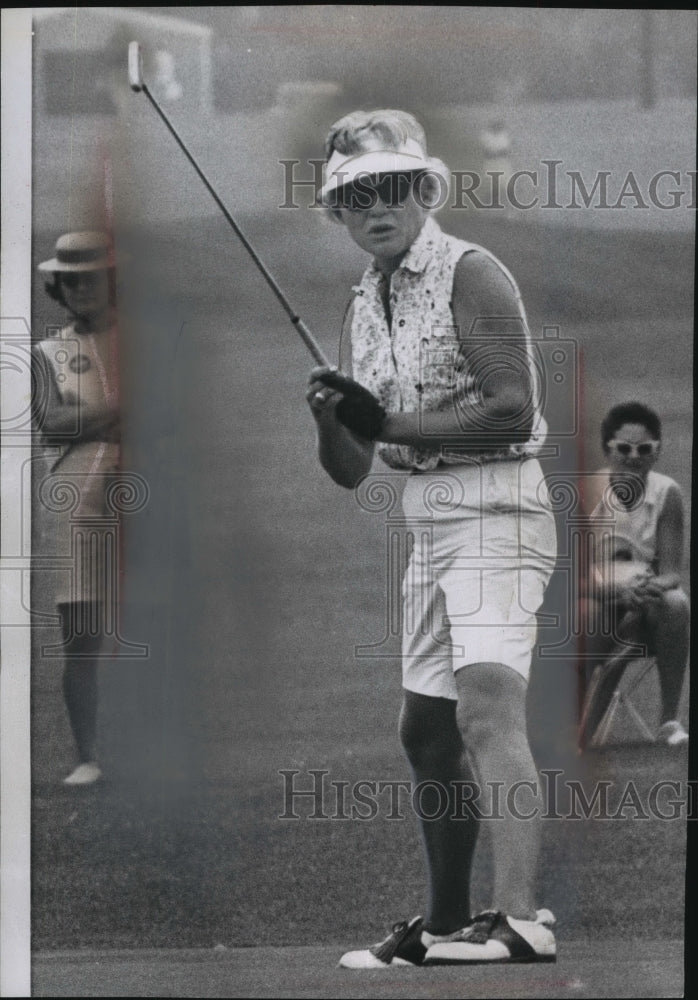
column 605, row 698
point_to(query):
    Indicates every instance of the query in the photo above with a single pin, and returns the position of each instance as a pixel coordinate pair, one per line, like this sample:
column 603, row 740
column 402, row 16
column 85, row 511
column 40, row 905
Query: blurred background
column 249, row 575
column 251, row 85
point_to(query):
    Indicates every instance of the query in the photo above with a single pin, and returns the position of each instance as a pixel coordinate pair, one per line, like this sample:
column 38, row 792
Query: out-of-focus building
column 101, row 150
column 80, row 62
column 96, row 142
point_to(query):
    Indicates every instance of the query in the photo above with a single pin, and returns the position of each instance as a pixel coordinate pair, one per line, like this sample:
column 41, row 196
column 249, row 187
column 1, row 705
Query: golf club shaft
column 300, row 326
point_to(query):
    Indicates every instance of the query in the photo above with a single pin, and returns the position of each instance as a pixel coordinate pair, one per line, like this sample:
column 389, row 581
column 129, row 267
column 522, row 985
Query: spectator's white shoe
column 84, row 774
column 672, row 734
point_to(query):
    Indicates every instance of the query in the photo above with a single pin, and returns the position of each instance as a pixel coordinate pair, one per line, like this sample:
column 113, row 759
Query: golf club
column 138, row 84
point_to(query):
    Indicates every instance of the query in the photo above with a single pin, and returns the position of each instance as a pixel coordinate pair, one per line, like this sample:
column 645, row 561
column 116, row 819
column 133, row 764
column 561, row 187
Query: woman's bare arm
column 56, row 416
column 670, row 554
column 492, row 337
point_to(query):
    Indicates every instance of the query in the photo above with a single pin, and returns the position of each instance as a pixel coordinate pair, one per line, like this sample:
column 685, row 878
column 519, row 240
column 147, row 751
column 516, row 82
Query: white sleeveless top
column 633, row 533
column 415, row 363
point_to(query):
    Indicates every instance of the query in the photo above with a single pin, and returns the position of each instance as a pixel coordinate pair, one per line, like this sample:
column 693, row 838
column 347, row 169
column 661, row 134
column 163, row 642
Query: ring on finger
column 319, row 397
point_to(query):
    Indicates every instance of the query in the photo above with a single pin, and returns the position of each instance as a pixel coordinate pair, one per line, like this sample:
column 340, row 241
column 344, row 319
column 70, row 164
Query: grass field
column 253, row 577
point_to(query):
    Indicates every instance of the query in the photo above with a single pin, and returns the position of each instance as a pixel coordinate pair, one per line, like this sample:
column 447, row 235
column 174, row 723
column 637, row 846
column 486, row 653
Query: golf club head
column 135, row 67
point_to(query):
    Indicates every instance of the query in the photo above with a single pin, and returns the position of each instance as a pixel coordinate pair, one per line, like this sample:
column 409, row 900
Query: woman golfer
column 79, row 417
column 443, row 387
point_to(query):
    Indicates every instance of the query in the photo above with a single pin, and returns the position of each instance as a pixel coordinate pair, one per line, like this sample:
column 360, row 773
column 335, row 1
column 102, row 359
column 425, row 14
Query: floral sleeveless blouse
column 414, row 363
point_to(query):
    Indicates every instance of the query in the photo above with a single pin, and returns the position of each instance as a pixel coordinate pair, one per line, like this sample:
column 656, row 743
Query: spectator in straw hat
column 77, row 412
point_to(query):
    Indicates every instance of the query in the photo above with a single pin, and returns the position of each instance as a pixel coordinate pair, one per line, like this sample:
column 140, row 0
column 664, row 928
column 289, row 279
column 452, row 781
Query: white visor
column 341, row 169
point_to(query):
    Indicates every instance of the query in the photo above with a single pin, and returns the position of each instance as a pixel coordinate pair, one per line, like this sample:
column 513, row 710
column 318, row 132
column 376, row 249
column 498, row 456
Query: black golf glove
column 358, row 410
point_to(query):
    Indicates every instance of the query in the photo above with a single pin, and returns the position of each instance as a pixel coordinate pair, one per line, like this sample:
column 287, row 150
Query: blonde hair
column 385, row 128
column 359, row 130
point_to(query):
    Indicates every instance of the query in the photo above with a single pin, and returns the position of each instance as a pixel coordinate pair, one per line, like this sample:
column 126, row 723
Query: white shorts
column 484, row 550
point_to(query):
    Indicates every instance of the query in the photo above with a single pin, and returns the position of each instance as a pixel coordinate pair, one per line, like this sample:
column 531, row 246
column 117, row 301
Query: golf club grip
column 303, row 330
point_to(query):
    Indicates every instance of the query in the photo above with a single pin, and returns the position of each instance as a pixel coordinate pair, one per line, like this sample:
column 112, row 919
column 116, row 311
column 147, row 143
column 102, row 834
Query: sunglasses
column 73, row 279
column 393, row 190
column 642, row 450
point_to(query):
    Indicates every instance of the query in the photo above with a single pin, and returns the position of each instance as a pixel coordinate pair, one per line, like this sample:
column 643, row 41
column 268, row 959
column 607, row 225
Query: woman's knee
column 671, row 611
column 83, row 627
column 428, row 729
column 677, row 604
column 492, row 704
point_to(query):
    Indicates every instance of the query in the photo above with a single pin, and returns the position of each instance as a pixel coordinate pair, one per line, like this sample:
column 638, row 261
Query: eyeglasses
column 362, row 195
column 73, row 278
column 642, row 450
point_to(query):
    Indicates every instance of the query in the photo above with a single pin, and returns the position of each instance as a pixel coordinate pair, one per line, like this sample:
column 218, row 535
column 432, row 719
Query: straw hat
column 84, row 251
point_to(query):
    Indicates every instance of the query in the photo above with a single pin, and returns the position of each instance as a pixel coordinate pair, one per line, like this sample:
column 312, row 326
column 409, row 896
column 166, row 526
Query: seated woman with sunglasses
column 635, row 579
column 443, row 389
column 77, row 412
